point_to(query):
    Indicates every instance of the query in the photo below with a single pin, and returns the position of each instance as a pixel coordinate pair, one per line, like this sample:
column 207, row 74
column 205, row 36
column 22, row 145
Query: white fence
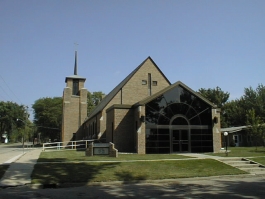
column 79, row 144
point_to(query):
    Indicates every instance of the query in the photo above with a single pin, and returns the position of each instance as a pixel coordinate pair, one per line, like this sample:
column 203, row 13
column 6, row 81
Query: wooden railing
column 79, row 144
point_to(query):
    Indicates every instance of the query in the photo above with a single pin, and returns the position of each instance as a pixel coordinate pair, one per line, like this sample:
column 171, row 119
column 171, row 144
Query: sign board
column 100, row 150
column 101, row 145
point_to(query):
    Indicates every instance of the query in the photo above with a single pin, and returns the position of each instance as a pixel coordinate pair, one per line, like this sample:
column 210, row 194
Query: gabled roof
column 112, row 94
column 178, row 83
column 234, row 129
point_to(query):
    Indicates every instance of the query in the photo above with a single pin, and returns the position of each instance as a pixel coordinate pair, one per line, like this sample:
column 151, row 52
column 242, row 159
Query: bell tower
column 74, row 104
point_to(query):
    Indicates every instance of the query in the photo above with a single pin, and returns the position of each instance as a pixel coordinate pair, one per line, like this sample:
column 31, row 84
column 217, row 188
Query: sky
column 203, row 43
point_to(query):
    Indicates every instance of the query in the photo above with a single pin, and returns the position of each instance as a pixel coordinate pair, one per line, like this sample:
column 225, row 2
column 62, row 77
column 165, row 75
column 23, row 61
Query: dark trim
column 121, row 95
column 149, row 84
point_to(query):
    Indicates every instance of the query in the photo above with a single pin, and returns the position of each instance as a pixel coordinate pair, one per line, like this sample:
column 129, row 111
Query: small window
column 154, row 83
column 144, row 82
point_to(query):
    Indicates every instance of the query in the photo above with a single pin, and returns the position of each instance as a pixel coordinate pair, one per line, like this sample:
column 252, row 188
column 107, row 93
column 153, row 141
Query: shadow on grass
column 69, row 172
column 3, row 169
column 128, row 176
column 257, row 151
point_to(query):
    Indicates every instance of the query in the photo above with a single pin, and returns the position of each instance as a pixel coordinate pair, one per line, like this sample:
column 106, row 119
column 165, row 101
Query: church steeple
column 75, row 76
column 74, row 104
column 75, row 70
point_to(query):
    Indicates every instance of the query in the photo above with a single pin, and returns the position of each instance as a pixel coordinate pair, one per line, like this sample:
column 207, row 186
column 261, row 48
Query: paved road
column 209, row 188
column 10, row 151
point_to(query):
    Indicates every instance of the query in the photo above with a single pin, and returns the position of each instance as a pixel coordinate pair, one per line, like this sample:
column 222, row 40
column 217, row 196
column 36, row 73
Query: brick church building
column 144, row 113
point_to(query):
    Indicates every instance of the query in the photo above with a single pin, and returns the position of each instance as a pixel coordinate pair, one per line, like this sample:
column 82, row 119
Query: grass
column 3, row 169
column 49, row 171
column 70, row 155
column 242, row 152
column 260, row 160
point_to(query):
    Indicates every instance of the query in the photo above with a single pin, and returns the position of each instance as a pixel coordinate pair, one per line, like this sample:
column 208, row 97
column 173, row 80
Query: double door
column 180, row 141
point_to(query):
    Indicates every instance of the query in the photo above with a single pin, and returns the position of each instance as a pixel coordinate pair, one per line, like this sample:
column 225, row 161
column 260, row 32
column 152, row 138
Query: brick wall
column 123, row 130
column 139, row 129
column 74, row 111
column 216, row 131
column 110, row 121
column 134, row 91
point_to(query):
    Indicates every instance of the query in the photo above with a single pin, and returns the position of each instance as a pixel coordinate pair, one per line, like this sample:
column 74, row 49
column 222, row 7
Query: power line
column 10, row 89
column 5, row 93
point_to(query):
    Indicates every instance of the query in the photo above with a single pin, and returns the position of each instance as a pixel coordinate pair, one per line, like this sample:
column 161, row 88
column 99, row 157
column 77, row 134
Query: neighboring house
column 238, row 136
column 145, row 113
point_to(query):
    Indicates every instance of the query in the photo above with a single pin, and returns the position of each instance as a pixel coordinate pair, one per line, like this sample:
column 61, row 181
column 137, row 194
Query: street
column 227, row 187
column 10, row 151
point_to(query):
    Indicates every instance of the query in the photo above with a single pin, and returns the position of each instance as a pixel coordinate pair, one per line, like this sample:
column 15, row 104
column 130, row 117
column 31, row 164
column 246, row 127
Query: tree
column 255, row 99
column 217, row 97
column 93, row 99
column 9, row 113
column 255, row 127
column 48, row 116
column 234, row 113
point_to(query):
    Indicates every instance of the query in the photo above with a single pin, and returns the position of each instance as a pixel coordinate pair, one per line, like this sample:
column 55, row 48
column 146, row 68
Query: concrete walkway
column 201, row 156
column 19, row 172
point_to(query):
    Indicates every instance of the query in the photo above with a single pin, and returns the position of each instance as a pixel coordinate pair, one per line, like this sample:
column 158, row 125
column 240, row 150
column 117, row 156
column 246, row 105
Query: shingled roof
column 112, row 94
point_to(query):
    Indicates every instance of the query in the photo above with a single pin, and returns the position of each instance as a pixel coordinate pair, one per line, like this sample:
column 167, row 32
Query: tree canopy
column 215, row 95
column 48, row 116
column 13, row 118
column 218, row 97
column 234, row 112
column 93, row 99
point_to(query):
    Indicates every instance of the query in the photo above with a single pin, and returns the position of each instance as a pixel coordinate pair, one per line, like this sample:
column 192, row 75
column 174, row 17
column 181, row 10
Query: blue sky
column 202, row 43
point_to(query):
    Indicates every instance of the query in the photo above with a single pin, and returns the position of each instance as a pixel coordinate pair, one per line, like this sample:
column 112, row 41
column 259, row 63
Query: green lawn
column 72, row 155
column 260, row 160
column 3, row 169
column 69, row 170
column 242, row 152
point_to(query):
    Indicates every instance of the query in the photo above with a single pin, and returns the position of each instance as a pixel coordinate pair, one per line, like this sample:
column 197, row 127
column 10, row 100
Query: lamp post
column 226, row 136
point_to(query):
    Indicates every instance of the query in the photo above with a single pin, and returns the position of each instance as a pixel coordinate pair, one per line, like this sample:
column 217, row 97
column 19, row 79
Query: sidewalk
column 19, row 172
column 202, row 156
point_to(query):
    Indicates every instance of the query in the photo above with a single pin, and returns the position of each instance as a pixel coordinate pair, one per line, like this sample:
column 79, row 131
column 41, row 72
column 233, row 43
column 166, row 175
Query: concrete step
column 251, row 170
column 258, row 172
column 236, row 162
column 246, row 165
column 230, row 159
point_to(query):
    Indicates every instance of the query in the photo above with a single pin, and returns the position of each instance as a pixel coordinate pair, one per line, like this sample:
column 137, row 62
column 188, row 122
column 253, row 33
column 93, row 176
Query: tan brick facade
column 132, row 92
column 121, row 116
column 74, row 109
column 216, row 130
column 120, row 128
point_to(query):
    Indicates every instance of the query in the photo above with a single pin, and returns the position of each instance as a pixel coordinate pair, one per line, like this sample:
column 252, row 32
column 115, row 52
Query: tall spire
column 75, row 70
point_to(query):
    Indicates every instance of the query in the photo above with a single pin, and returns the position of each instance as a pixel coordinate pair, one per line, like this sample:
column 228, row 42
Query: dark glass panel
column 186, row 97
column 179, row 121
column 151, row 116
column 172, row 95
column 163, row 120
